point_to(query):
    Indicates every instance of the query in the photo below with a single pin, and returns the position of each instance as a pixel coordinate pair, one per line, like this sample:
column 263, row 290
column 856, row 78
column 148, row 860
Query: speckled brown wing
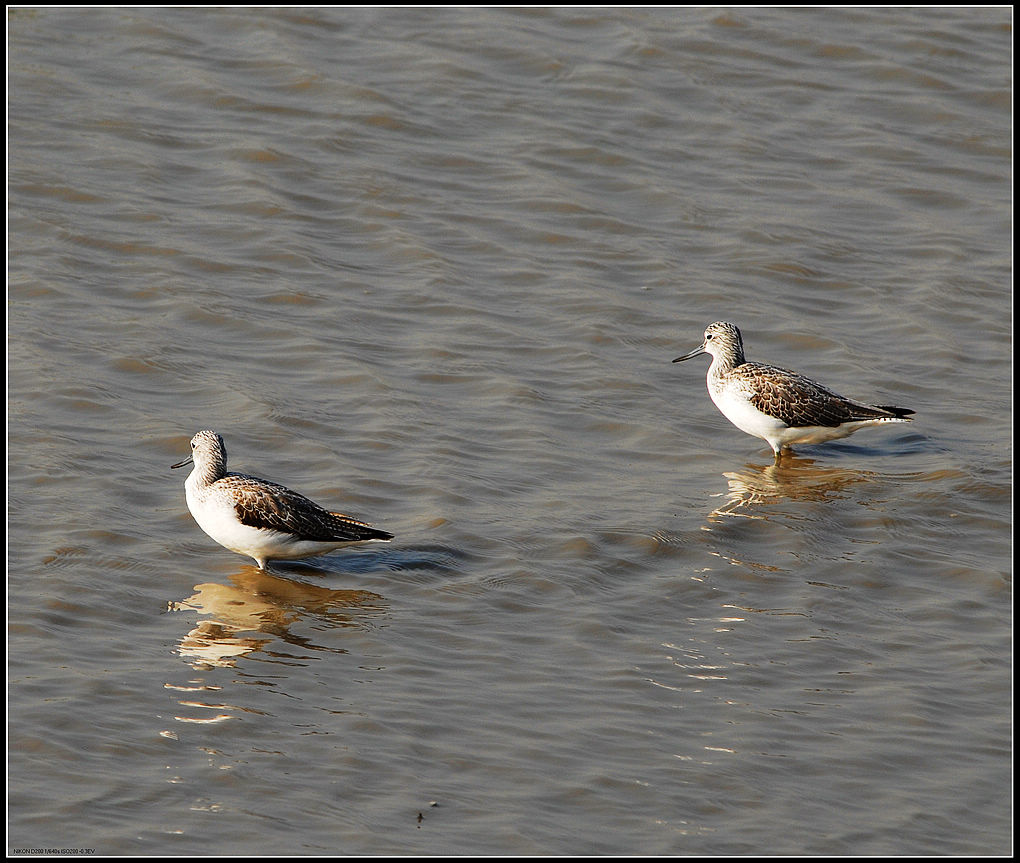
column 263, row 504
column 799, row 401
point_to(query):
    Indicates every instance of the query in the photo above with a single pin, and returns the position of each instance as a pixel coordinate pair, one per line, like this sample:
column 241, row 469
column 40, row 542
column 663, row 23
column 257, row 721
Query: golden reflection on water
column 257, row 607
column 792, row 479
column 254, row 609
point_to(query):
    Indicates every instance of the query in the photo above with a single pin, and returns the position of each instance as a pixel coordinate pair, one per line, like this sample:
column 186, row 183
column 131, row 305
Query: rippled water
column 430, row 266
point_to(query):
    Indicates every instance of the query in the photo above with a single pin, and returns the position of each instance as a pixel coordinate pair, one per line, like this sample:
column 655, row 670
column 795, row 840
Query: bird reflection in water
column 796, row 479
column 256, row 608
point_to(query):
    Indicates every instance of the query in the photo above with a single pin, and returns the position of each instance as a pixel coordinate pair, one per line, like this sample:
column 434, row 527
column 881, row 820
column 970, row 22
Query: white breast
column 736, row 407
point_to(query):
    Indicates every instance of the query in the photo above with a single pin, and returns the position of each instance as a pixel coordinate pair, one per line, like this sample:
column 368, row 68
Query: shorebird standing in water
column 259, row 518
column 780, row 406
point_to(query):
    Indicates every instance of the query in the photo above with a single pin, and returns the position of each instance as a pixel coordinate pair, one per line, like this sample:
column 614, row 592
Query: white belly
column 739, row 411
column 216, row 516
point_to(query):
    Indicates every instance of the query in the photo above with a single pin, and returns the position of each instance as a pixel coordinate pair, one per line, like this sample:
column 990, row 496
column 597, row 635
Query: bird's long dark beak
column 181, row 463
column 694, row 353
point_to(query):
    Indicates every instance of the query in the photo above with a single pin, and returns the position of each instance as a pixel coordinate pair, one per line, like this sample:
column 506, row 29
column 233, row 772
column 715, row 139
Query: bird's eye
column 708, row 337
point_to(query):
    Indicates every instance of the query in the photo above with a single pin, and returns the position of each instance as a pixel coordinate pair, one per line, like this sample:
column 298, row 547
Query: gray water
column 430, row 267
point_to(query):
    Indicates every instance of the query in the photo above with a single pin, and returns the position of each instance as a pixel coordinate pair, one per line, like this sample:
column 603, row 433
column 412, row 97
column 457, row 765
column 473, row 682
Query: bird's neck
column 726, row 359
column 209, row 472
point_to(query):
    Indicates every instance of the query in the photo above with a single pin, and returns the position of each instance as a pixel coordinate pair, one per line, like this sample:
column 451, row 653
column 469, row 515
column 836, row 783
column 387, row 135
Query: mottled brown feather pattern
column 263, row 504
column 799, row 401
